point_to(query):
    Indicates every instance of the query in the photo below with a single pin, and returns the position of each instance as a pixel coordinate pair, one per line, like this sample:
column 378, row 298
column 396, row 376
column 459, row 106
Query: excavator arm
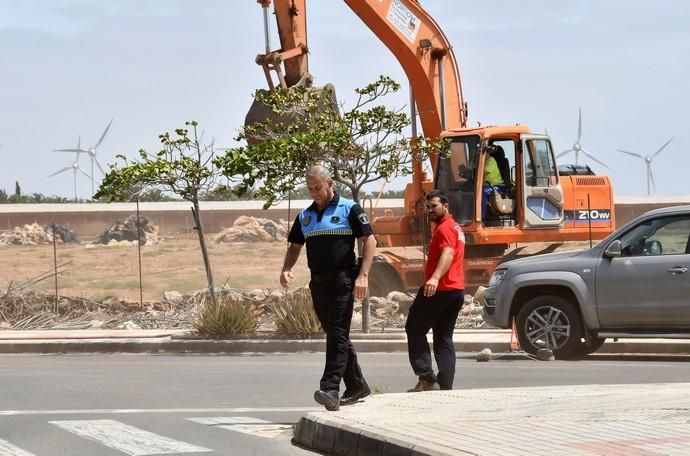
column 290, row 62
column 409, row 32
column 426, row 56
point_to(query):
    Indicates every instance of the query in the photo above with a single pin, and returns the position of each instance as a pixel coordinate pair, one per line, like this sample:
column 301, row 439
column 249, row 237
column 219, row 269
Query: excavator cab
column 526, row 193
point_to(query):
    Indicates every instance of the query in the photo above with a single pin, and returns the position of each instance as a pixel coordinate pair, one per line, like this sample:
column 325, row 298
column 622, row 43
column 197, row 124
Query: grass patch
column 294, row 314
column 228, row 316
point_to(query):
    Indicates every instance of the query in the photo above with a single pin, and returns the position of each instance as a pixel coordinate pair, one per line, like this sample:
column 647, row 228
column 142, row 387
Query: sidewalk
column 610, row 420
column 182, row 341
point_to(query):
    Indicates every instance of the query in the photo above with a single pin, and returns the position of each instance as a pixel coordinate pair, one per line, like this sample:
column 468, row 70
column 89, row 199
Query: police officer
column 330, row 227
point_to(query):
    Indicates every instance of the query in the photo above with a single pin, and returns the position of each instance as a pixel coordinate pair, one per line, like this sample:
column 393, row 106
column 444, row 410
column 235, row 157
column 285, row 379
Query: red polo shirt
column 447, row 234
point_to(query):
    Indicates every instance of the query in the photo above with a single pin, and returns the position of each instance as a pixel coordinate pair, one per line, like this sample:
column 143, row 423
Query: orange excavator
column 536, row 202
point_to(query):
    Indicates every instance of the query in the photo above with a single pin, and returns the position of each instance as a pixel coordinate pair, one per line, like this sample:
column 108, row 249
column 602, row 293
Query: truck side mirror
column 614, row 250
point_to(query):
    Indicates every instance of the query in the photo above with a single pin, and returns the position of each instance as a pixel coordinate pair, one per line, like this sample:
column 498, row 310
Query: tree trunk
column 204, row 252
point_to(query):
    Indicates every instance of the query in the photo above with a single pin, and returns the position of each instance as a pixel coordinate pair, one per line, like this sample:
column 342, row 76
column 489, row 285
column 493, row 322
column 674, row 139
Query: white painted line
column 170, row 410
column 7, row 449
column 127, row 439
column 245, row 424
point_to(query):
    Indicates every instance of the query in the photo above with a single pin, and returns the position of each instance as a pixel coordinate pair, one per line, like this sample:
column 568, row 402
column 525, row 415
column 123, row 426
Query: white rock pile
column 253, row 229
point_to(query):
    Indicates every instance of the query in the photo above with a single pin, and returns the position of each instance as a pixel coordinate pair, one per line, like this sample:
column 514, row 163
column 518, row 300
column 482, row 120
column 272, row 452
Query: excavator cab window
column 540, row 167
column 456, row 176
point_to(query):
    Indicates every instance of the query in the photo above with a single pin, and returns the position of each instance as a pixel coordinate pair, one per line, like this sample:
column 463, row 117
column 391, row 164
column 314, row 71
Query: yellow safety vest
column 492, row 175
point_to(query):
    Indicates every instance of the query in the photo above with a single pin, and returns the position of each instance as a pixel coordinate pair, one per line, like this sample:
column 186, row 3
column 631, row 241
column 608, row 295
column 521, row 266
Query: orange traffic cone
column 514, row 341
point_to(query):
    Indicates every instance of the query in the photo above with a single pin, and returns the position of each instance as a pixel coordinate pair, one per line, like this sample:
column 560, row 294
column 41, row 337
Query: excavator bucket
column 260, row 112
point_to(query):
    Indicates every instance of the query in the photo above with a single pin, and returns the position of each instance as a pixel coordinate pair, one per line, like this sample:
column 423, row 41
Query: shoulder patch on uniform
column 306, row 220
column 335, row 219
column 363, row 219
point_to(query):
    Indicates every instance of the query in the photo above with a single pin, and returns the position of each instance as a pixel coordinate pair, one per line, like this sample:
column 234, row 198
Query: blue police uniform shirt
column 330, row 234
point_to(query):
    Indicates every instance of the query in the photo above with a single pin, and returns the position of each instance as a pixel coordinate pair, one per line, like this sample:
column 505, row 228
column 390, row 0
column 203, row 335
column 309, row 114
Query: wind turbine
column 648, row 163
column 91, row 151
column 577, row 147
column 74, row 167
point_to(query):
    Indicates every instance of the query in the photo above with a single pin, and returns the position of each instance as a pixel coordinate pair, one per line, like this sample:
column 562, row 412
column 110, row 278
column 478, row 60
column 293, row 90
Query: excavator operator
column 492, row 180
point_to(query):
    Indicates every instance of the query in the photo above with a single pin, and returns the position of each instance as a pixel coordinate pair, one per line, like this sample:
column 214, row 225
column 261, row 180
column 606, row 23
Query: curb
column 203, row 346
column 334, row 437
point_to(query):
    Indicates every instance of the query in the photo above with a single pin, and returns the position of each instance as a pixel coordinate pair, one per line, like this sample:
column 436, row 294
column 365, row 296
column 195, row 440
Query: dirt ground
column 174, row 264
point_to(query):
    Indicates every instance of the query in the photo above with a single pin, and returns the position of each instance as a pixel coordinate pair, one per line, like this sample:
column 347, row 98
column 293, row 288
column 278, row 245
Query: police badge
column 363, row 219
column 306, row 220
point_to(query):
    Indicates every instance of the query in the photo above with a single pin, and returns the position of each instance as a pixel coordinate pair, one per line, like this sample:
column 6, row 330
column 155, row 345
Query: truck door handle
column 678, row 270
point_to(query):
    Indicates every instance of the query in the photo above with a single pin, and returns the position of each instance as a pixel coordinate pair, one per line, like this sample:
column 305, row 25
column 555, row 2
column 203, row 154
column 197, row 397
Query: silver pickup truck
column 633, row 284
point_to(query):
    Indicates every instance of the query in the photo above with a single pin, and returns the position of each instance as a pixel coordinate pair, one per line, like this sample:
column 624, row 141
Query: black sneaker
column 329, row 399
column 424, row 385
column 351, row 397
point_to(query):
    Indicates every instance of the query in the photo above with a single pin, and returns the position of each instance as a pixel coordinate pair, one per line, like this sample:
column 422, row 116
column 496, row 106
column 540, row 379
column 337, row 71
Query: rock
column 391, row 307
column 252, row 229
column 375, row 302
column 545, row 354
column 173, row 296
column 144, row 232
column 403, row 299
column 94, row 324
column 129, row 324
column 484, row 355
column 257, row 293
column 110, row 301
column 479, row 295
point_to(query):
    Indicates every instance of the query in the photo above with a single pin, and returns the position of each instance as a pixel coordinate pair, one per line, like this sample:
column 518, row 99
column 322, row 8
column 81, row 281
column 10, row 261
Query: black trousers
column 439, row 313
column 333, row 299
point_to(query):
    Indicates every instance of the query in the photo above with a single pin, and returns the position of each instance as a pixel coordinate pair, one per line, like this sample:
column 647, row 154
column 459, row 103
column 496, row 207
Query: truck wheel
column 583, row 349
column 549, row 322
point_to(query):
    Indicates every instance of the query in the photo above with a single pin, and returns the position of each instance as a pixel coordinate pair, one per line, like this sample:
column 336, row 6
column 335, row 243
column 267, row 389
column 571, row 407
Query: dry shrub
column 295, row 315
column 229, row 316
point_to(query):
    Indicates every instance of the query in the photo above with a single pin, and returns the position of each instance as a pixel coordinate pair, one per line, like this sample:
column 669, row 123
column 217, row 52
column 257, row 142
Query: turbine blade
column 631, row 153
column 598, row 161
column 85, row 173
column 579, row 124
column 67, row 168
column 69, row 150
column 651, row 178
column 79, row 142
column 99, row 165
column 564, row 152
column 103, row 135
column 662, row 148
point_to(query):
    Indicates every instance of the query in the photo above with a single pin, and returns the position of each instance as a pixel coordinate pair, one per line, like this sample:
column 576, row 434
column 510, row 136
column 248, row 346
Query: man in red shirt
column 438, row 301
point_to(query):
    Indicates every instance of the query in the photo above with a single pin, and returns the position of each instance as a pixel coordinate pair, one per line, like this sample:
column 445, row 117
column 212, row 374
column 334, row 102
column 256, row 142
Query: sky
column 67, row 67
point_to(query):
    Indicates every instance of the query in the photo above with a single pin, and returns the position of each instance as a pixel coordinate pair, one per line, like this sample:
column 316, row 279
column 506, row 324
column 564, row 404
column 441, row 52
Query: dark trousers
column 439, row 313
column 333, row 299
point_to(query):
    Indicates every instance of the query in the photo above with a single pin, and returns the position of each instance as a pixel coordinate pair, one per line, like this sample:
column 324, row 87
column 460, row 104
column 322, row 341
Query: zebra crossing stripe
column 125, row 438
column 7, row 449
column 245, row 424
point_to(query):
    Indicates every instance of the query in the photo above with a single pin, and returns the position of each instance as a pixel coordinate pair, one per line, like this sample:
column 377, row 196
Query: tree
column 183, row 166
column 363, row 145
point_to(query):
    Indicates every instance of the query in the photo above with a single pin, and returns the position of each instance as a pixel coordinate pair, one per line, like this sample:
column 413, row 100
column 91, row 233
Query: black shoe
column 424, row 385
column 351, row 397
column 329, row 399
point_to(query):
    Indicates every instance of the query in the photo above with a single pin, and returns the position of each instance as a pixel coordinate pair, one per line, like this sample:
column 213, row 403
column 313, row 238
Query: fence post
column 57, row 296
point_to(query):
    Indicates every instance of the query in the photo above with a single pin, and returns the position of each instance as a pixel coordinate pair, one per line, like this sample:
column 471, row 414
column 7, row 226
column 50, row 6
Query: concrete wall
column 92, row 219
